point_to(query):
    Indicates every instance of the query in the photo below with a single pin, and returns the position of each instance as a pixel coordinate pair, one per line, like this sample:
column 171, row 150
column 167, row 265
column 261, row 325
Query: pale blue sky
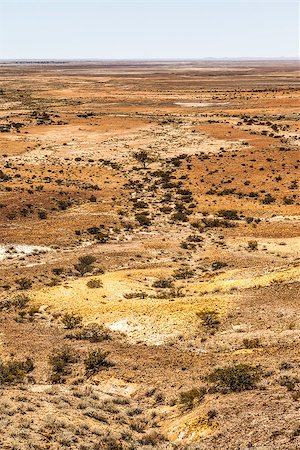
column 148, row 29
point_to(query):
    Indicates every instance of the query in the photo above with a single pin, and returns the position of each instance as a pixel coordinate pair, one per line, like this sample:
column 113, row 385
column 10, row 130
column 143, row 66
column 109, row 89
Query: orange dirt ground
column 195, row 254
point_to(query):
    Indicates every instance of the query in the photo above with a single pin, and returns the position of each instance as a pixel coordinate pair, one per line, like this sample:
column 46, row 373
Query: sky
column 148, row 29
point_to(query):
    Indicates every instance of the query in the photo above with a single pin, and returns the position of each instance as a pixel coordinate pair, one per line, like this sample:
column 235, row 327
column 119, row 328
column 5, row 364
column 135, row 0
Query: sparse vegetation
column 143, row 157
column 92, row 332
column 96, row 361
column 188, row 399
column 85, row 264
column 13, row 371
column 209, row 319
column 94, row 284
column 60, row 362
column 148, row 255
column 252, row 245
column 71, row 321
column 163, row 283
column 24, row 283
column 251, row 343
column 183, row 273
column 235, row 378
column 229, row 214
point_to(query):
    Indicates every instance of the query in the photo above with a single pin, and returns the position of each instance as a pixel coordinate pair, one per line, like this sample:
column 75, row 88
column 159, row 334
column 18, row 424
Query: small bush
column 102, row 237
column 288, row 200
column 288, row 382
column 170, row 293
column 143, row 220
column 71, row 321
column 19, row 302
column 92, row 332
column 180, row 216
column 24, row 283
column 235, row 378
column 209, row 318
column 60, row 361
column 252, row 245
column 251, row 343
column 194, row 238
column 140, row 294
column 216, row 265
column 268, row 199
column 217, row 223
column 189, row 398
column 163, row 283
column 85, row 264
column 140, row 205
column 12, row 372
column 183, row 272
column 230, row 214
column 58, row 271
column 94, row 284
column 143, row 157
column 285, row 365
column 42, row 214
column 187, row 245
column 96, row 361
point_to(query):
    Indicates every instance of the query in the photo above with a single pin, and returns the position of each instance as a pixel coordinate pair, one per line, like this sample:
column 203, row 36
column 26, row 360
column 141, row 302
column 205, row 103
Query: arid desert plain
column 149, row 255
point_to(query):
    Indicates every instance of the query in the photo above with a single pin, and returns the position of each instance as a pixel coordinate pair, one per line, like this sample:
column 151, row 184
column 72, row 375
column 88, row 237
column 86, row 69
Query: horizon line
column 206, row 58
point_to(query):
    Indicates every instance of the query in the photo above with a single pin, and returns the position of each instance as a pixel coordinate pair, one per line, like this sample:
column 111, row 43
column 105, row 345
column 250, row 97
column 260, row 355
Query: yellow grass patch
column 218, row 284
column 148, row 319
column 189, row 427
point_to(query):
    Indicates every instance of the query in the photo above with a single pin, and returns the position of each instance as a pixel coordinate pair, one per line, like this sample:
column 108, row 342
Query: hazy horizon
column 183, row 60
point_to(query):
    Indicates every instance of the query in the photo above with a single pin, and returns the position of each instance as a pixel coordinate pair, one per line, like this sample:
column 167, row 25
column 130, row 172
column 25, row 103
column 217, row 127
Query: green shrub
column 24, row 283
column 235, row 378
column 71, row 321
column 189, row 398
column 230, row 214
column 96, row 361
column 12, row 372
column 163, row 283
column 94, row 284
column 251, row 343
column 216, row 265
column 183, row 272
column 60, row 361
column 209, row 318
column 85, row 264
column 143, row 220
column 252, row 245
column 19, row 302
column 92, row 332
column 268, row 199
